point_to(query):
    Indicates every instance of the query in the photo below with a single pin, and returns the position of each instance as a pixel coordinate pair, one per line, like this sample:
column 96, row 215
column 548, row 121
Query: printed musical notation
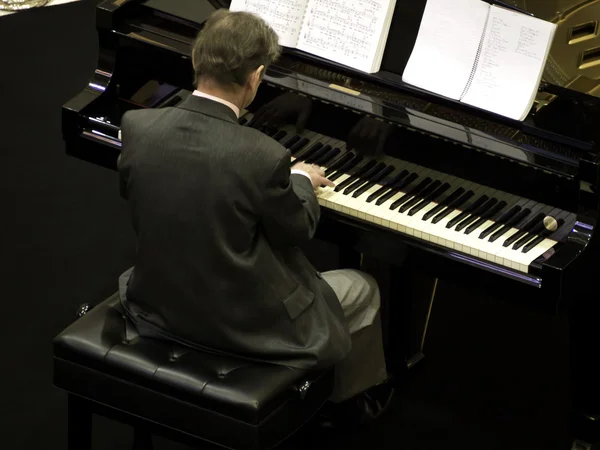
column 350, row 29
column 284, row 16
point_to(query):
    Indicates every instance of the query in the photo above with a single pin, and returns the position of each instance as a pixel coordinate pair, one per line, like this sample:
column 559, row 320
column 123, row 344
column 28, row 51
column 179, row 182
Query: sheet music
column 444, row 54
column 345, row 31
column 514, row 51
column 284, row 16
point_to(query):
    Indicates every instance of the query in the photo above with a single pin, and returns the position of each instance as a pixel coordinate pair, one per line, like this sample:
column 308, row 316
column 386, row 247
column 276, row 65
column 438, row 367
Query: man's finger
column 319, row 170
column 326, row 182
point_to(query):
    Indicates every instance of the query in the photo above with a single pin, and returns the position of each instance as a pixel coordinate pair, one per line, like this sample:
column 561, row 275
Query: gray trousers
column 364, row 366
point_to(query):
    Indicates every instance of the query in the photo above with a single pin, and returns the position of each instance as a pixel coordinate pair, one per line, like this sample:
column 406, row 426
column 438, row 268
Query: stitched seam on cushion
column 189, row 351
column 147, row 389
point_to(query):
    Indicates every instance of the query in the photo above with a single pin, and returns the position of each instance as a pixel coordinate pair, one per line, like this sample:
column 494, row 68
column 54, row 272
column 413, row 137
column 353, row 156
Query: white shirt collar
column 235, row 109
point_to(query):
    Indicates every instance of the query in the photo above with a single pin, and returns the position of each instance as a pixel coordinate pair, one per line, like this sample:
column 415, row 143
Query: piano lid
column 562, row 116
column 191, row 11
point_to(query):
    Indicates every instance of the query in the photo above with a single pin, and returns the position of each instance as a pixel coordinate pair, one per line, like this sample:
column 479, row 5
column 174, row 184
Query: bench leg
column 142, row 439
column 79, row 424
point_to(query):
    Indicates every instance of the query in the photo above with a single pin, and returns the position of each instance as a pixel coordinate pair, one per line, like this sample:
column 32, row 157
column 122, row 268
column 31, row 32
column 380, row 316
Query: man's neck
column 237, row 98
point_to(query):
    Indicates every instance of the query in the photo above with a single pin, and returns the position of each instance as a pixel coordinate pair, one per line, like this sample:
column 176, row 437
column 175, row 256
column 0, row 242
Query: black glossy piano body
column 552, row 157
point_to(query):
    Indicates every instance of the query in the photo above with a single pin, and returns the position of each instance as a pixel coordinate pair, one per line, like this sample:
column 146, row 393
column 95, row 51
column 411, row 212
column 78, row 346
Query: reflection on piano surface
column 473, row 196
column 476, row 221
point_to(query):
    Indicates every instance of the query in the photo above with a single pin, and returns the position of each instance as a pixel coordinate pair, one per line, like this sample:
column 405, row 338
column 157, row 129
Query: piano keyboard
column 432, row 206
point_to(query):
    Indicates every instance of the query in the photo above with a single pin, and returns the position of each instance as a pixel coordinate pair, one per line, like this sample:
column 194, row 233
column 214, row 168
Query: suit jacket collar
column 208, row 107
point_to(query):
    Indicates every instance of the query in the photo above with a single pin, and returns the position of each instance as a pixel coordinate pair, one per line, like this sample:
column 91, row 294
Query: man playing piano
column 219, row 216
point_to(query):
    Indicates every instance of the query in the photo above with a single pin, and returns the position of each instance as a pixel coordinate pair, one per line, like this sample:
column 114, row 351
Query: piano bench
column 200, row 399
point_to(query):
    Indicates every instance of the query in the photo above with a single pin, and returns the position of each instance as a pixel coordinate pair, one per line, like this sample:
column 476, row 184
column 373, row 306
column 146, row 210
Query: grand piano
column 459, row 192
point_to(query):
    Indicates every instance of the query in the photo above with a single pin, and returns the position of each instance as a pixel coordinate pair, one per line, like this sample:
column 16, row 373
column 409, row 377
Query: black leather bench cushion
column 244, row 390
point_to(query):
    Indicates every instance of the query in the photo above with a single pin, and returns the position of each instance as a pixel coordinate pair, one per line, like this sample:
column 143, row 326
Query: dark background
column 495, row 374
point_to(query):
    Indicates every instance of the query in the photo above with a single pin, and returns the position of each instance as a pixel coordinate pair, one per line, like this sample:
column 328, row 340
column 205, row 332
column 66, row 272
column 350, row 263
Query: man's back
column 218, row 223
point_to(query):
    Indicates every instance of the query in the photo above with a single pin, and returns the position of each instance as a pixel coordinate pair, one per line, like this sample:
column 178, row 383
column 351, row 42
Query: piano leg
column 412, row 296
column 406, row 305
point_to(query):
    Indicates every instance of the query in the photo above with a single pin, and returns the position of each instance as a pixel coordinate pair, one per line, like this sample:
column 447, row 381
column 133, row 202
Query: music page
column 345, row 31
column 512, row 60
column 284, row 16
column 444, row 54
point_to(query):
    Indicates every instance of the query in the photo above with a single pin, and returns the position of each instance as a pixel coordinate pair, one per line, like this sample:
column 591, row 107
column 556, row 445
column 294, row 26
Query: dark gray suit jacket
column 219, row 219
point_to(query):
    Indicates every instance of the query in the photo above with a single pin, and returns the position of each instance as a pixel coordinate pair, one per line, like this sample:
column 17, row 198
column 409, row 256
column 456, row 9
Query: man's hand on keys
column 316, row 174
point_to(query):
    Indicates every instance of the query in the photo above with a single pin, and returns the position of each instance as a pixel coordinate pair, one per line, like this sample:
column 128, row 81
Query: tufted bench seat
column 166, row 389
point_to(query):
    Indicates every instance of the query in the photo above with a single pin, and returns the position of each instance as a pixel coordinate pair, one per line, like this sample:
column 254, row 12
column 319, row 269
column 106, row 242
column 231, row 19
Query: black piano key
column 355, row 161
column 359, row 173
column 299, row 145
column 346, row 167
column 453, row 206
column 477, row 213
column 410, row 194
column 457, row 193
column 522, row 215
column 344, row 159
column 387, row 186
column 324, row 159
column 381, row 175
column 486, row 216
column 501, row 221
column 312, row 157
column 423, row 195
column 313, row 150
column 396, row 188
column 280, row 135
column 270, row 131
column 543, row 235
column 365, row 178
column 467, row 212
column 538, row 218
column 524, row 240
column 538, row 228
column 430, row 198
column 291, row 141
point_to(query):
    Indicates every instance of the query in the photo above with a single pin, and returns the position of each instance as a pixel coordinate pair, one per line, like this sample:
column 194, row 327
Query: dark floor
column 495, row 375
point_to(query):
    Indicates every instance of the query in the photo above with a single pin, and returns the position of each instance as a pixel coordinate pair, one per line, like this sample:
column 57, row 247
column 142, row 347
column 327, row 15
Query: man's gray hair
column 231, row 46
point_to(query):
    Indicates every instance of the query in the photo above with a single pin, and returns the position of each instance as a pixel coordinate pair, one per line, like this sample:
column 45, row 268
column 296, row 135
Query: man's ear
column 257, row 75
